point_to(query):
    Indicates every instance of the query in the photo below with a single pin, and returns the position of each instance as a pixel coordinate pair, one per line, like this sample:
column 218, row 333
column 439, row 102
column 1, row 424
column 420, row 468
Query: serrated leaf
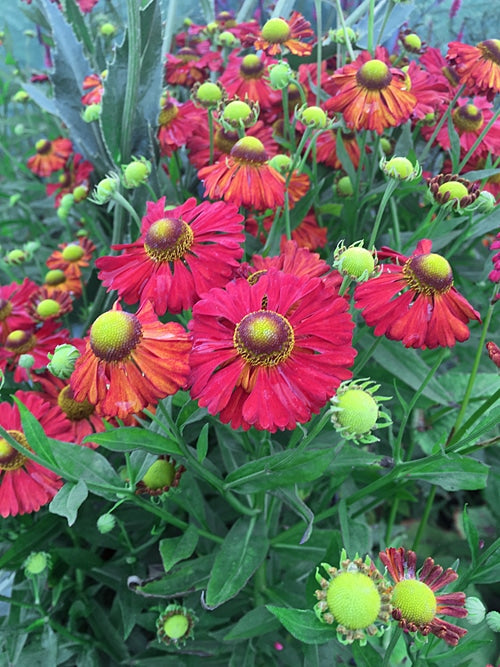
column 303, row 625
column 243, row 550
column 128, row 438
column 255, row 623
column 175, row 549
column 278, row 470
column 68, row 500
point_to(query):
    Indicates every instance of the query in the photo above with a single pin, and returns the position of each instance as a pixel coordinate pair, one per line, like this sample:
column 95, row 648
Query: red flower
column 445, row 76
column 181, row 253
column 477, row 66
column 93, row 83
column 308, row 234
column 245, row 178
column 50, row 156
column 14, row 299
column 25, row 486
column 416, row 607
column 494, row 275
column 270, row 354
column 72, row 257
column 278, row 33
column 430, row 91
column 371, row 94
column 416, row 302
column 42, row 307
column 191, row 65
column 247, row 77
column 56, row 280
column 176, row 124
column 326, row 148
column 130, row 361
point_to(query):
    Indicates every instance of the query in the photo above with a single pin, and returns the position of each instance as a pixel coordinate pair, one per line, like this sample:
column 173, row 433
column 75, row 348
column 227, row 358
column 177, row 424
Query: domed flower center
column 237, row 111
column 451, row 75
column 209, row 93
column 5, row 309
column 456, row 189
column 75, row 411
column 249, row 150
column 264, row 338
column 168, row 239
column 43, row 146
column 374, row 75
column 167, row 114
column 412, row 42
column 224, row 140
column 159, row 475
column 359, row 411
column 490, row 49
column 187, row 55
column 176, row 626
column 354, row 600
column 73, row 252
column 10, row 458
column 428, row 274
column 415, row 600
column 55, row 277
column 48, row 308
column 355, row 261
column 468, row 118
column 276, row 31
column 114, row 335
column 20, row 342
column 251, row 67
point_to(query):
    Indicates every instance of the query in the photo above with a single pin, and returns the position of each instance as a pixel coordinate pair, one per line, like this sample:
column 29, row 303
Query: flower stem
column 440, row 124
column 340, row 17
column 425, row 517
column 484, row 132
column 211, row 134
column 319, row 48
column 396, row 634
column 371, row 12
column 391, row 186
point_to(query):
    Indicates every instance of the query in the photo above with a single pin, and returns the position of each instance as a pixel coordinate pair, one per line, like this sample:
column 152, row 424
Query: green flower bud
column 21, row 97
column 67, row 201
column 208, row 94
column 80, row 193
column 26, row 361
column 105, row 189
column 400, row 168
column 36, row 563
column 493, row 620
column 19, row 129
column 136, row 173
column 15, row 257
column 62, row 362
column 106, row 523
column 344, row 187
column 355, row 411
column 476, row 609
column 107, row 29
column 175, row 625
column 355, row 262
column 91, row 113
column 313, row 117
column 340, row 36
column 280, row 75
column 281, row 163
column 226, row 38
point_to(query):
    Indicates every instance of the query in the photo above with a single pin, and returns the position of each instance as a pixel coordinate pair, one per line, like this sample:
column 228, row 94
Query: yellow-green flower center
column 314, row 116
column 276, row 31
column 251, row 67
column 20, row 341
column 248, row 150
column 176, row 626
column 490, row 49
column 354, row 600
column 429, row 274
column 236, row 111
column 168, row 239
column 412, row 42
column 209, row 92
column 264, row 338
column 48, row 308
column 160, row 474
column 10, row 458
column 399, row 167
column 114, row 335
column 75, row 411
column 415, row 600
column 456, row 189
column 374, row 75
column 359, row 411
column 355, row 261
column 55, row 277
column 73, row 252
column 468, row 118
column 167, row 114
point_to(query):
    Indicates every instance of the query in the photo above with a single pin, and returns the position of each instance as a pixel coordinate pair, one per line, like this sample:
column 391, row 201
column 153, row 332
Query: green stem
column 391, row 520
column 472, row 419
column 340, row 17
column 211, row 134
column 388, row 11
column 425, row 517
column 484, row 132
column 440, row 124
column 133, row 75
column 395, row 226
column 371, row 13
column 319, row 48
column 475, row 367
column 391, row 187
column 366, row 356
column 396, row 634
column 120, row 199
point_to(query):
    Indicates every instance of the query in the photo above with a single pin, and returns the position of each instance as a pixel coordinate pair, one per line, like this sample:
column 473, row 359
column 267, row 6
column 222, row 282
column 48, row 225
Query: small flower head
column 278, row 34
column 175, row 625
column 160, row 477
column 108, row 29
column 453, row 191
column 355, row 262
column 91, row 112
column 36, row 563
column 136, row 173
column 226, row 39
column 400, row 168
column 15, row 257
column 106, row 523
column 240, row 114
column 312, row 116
column 281, row 75
column 411, row 42
column 106, row 188
column 356, row 412
column 341, row 36
column 356, row 597
column 62, row 362
column 208, row 94
column 344, row 187
column 416, row 605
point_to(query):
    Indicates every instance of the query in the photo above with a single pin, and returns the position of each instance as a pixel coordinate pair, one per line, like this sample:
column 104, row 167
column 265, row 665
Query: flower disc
column 354, row 600
column 114, row 335
column 264, row 338
column 415, row 600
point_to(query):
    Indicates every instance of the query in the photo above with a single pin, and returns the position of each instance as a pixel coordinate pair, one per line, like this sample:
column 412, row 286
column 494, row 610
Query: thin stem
column 133, row 74
column 340, row 17
column 484, row 132
column 211, row 134
column 391, row 186
column 396, row 634
column 425, row 517
column 440, row 124
column 391, row 520
column 319, row 48
column 472, row 419
column 371, row 13
column 388, row 11
column 120, row 199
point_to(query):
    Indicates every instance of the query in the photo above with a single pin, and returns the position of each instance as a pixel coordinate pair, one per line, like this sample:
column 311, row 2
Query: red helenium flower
column 181, row 253
column 50, row 156
column 271, row 354
column 414, row 300
column 477, row 66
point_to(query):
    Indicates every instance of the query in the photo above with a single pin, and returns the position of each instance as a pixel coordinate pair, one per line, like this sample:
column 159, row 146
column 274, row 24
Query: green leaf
column 175, row 549
column 255, row 623
column 128, row 438
column 282, row 469
column 303, row 625
column 471, row 535
column 190, row 576
column 295, row 502
column 243, row 550
column 68, row 500
column 35, row 435
column 452, row 472
column 47, row 530
column 202, row 444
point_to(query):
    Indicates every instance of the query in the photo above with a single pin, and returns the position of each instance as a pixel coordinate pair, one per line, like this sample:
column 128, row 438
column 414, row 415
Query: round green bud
column 226, row 38
column 314, row 117
column 354, row 600
column 36, row 563
column 340, row 36
column 493, row 620
column 21, row 96
column 476, row 609
column 67, row 201
column 209, row 92
column 176, row 626
column 16, row 256
column 136, row 173
column 280, row 76
column 412, row 42
column 62, row 362
column 26, row 361
column 281, row 163
column 485, row 202
column 91, row 113
column 355, row 261
column 237, row 111
column 160, row 474
column 106, row 523
column 358, row 411
column 105, row 189
column 344, row 187
column 80, row 193
column 19, row 129
column 107, row 29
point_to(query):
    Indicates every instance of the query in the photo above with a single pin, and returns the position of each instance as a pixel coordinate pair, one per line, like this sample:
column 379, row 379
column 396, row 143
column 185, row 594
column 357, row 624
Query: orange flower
column 278, row 33
column 477, row 66
column 371, row 94
column 57, row 280
column 130, row 361
column 72, row 257
column 50, row 156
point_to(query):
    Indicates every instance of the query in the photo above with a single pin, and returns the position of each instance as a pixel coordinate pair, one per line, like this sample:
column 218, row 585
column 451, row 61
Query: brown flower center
column 43, row 146
column 75, row 411
column 428, row 274
column 10, row 458
column 224, row 141
column 167, row 114
column 264, row 338
column 5, row 309
column 187, row 55
column 490, row 49
column 168, row 239
column 114, row 335
column 374, row 75
column 468, row 118
column 451, row 74
column 249, row 150
column 252, row 67
column 20, row 342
